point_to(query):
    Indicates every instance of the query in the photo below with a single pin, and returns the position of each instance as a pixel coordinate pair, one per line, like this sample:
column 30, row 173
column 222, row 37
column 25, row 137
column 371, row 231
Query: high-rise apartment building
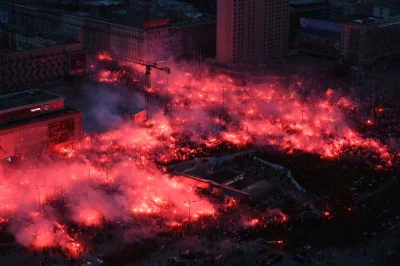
column 252, row 30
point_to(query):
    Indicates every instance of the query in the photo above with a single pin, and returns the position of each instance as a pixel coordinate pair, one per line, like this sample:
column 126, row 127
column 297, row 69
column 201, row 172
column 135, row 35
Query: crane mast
column 147, row 75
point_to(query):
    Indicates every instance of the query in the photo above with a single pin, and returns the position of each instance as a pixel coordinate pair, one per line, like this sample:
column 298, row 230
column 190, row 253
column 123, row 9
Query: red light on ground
column 280, row 241
column 369, row 122
column 104, row 57
column 254, row 222
column 326, row 214
column 349, row 209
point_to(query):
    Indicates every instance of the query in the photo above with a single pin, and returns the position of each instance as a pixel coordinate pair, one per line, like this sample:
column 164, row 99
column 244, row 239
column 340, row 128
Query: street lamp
column 189, row 202
column 302, row 114
column 223, row 97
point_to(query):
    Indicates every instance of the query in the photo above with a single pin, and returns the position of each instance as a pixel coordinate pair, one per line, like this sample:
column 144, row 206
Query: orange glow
column 369, row 122
column 122, row 174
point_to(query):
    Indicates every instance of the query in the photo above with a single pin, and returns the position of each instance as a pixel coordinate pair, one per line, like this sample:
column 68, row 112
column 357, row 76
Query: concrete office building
column 386, row 10
column 123, row 33
column 364, row 40
column 29, row 58
column 311, row 10
column 252, row 30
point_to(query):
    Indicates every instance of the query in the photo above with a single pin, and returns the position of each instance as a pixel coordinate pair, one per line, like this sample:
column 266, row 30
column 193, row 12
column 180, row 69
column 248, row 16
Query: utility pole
column 61, row 189
column 107, row 172
column 302, row 114
column 223, row 97
column 45, row 188
column 189, row 202
column 38, row 190
column 147, row 85
column 200, row 56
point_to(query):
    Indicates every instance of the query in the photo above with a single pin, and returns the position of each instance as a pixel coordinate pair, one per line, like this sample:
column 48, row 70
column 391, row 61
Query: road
column 372, row 254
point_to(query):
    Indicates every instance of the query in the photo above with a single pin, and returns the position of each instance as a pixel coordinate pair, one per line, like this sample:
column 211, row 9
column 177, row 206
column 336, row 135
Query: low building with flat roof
column 26, row 104
column 33, row 121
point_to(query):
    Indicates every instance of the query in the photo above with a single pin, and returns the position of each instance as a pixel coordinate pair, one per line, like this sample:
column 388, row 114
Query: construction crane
column 147, row 75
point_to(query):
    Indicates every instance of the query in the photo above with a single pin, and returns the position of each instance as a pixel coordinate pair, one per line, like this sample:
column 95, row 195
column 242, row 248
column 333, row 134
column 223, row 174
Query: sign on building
column 319, row 24
column 78, row 63
column 3, row 16
column 156, row 23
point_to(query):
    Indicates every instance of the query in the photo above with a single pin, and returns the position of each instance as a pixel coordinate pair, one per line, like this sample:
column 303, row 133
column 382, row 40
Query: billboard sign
column 156, row 23
column 3, row 17
column 323, row 25
column 7, row 147
column 77, row 63
column 318, row 41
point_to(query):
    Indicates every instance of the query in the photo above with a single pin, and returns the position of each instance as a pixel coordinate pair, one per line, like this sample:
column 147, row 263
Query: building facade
column 19, row 68
column 34, row 121
column 252, row 30
column 72, row 26
column 156, row 43
column 319, row 37
column 386, row 10
column 126, row 41
column 96, row 35
column 197, row 40
column 363, row 41
column 319, row 12
column 362, row 9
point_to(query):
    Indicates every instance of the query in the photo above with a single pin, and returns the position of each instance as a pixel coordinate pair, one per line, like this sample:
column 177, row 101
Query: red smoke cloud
column 118, row 174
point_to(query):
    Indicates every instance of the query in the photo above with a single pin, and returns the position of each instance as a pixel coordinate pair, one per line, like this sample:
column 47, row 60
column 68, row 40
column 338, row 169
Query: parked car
column 272, row 258
column 276, row 258
column 174, row 261
column 188, row 254
column 300, row 259
column 261, row 250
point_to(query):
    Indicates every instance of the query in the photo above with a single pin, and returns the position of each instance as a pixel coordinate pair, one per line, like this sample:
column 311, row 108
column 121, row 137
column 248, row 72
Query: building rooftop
column 297, row 64
column 136, row 110
column 307, row 3
column 381, row 22
column 222, row 176
column 44, row 39
column 39, row 119
column 26, row 98
column 341, row 19
column 102, row 3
